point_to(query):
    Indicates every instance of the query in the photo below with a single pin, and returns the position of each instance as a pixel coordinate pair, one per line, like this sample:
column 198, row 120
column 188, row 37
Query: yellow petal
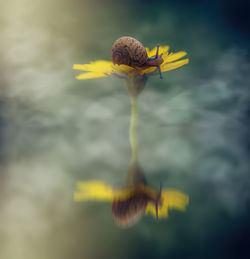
column 148, row 70
column 126, row 193
column 175, row 199
column 93, row 190
column 122, row 69
column 151, row 209
column 99, row 191
column 162, row 49
column 90, row 75
column 175, row 56
column 101, row 66
column 165, row 55
column 170, row 66
column 148, row 50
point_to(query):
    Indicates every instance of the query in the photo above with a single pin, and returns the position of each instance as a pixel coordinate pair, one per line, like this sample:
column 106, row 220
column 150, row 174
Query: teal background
column 192, row 131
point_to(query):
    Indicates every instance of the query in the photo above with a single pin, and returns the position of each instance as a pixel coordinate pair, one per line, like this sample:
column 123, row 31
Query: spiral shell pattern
column 126, row 213
column 128, row 51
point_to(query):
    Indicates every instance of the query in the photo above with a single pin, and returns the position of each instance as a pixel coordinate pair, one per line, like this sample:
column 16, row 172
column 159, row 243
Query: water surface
column 192, row 129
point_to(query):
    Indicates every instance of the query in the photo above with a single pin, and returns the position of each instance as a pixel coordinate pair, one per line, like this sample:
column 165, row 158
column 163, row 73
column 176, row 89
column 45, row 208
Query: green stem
column 133, row 128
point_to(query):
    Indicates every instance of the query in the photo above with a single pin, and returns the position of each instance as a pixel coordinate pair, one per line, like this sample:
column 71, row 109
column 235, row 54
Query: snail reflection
column 130, row 203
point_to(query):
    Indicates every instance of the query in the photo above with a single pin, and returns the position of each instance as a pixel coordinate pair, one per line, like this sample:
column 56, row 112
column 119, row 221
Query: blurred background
column 192, row 131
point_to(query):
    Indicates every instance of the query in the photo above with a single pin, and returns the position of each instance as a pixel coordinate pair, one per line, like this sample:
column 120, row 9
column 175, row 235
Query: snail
column 129, row 51
column 126, row 212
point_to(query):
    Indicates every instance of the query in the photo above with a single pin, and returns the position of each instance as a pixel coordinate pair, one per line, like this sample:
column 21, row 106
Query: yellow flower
column 99, row 191
column 103, row 68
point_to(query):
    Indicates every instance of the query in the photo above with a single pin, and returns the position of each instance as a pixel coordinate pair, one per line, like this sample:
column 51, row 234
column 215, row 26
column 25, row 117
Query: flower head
column 135, row 76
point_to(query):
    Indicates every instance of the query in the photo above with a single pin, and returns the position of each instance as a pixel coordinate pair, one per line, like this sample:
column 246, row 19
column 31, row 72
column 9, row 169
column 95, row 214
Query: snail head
column 117, row 59
column 156, row 61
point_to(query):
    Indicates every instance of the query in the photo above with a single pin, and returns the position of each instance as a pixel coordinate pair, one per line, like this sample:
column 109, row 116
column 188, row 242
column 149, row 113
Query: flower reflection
column 130, row 203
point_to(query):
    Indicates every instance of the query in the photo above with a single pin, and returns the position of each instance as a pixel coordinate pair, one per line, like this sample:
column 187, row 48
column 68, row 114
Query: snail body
column 129, row 51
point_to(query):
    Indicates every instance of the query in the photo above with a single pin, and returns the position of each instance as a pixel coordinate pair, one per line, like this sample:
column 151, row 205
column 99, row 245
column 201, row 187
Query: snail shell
column 129, row 51
column 127, row 212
